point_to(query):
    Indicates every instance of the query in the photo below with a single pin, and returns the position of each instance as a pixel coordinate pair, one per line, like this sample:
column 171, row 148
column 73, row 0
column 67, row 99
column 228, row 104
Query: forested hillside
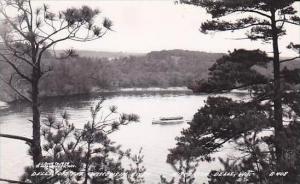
column 78, row 75
column 81, row 75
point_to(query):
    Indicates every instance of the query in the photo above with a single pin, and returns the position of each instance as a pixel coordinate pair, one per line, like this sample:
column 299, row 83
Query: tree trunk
column 87, row 164
column 277, row 92
column 36, row 124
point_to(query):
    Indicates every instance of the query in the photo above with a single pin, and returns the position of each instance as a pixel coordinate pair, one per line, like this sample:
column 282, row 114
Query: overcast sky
column 142, row 26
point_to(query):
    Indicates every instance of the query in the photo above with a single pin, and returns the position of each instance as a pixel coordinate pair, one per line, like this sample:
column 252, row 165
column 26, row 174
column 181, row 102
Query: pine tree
column 88, row 153
column 244, row 123
column 272, row 101
column 27, row 35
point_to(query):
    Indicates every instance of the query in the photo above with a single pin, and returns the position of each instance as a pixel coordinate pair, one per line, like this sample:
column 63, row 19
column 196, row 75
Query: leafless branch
column 15, row 90
column 7, row 60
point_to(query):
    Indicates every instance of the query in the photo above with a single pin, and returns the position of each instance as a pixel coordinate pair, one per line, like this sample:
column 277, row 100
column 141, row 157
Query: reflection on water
column 155, row 139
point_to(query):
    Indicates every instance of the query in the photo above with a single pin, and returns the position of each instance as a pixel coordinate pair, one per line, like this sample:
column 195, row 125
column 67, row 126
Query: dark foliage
column 233, row 71
column 262, row 128
column 86, row 155
column 243, row 124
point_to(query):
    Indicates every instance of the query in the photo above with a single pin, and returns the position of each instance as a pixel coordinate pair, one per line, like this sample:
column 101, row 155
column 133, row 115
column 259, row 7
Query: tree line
column 82, row 75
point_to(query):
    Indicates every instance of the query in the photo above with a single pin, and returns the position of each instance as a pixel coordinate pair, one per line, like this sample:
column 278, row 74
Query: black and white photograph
column 149, row 92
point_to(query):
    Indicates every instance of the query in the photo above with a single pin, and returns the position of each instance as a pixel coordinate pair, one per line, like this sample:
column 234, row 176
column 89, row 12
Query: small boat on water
column 169, row 120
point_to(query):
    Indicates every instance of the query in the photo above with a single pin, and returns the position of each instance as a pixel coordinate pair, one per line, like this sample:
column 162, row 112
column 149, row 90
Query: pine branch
column 14, row 181
column 291, row 59
column 240, row 24
column 27, row 140
column 254, row 11
column 289, row 22
column 237, row 87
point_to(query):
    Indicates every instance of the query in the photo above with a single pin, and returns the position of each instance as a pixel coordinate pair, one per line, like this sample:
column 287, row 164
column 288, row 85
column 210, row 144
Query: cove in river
column 154, row 139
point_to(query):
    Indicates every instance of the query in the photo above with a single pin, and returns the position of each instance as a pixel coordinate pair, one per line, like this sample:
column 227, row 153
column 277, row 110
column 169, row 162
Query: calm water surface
column 154, row 139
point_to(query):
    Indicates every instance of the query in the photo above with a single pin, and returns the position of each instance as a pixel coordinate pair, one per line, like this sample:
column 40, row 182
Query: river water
column 154, row 139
